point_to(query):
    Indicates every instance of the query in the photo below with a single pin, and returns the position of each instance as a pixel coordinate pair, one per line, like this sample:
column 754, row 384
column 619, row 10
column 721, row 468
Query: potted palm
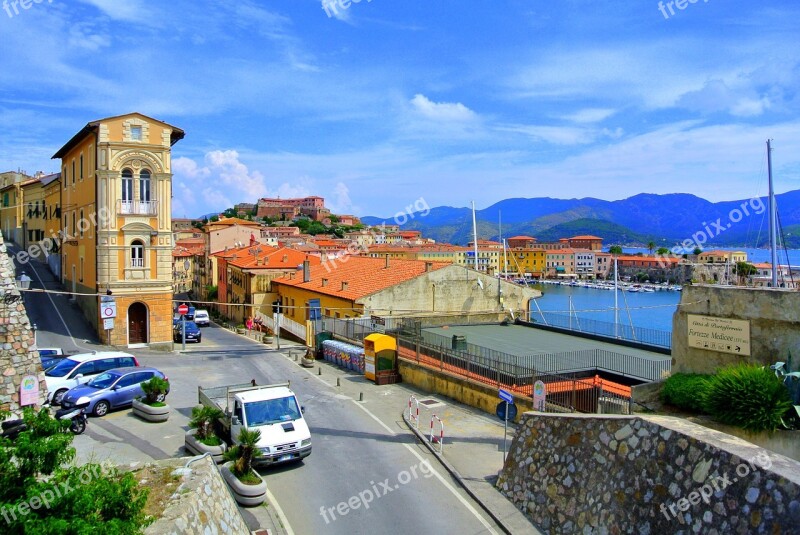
column 152, row 408
column 307, row 361
column 248, row 487
column 240, row 329
column 202, row 438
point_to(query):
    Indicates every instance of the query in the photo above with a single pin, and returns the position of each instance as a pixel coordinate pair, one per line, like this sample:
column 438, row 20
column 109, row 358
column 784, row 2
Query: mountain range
column 665, row 220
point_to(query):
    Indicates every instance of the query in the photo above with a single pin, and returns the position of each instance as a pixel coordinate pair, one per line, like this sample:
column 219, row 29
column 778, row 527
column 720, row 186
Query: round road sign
column 183, row 309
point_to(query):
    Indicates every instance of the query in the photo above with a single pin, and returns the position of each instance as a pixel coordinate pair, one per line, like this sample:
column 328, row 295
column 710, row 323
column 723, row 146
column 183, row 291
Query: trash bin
column 459, row 342
column 321, row 337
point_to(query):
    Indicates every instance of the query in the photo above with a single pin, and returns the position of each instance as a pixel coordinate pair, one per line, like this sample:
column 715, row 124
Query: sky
column 377, row 104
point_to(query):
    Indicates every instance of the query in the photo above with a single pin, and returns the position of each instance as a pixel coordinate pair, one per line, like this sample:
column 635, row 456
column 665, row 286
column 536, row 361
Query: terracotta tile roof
column 268, row 258
column 585, row 237
column 230, row 221
column 521, row 238
column 356, row 276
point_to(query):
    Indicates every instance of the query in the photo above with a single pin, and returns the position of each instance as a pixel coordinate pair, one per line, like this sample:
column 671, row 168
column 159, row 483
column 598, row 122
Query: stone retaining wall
column 574, row 473
column 18, row 355
column 201, row 505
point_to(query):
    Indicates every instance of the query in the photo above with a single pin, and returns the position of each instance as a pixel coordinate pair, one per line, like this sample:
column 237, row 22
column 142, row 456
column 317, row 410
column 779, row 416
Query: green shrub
column 685, row 391
column 747, row 396
column 155, row 391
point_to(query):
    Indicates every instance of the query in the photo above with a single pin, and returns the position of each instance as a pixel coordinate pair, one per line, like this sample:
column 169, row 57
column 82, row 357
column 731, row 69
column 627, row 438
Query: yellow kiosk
column 380, row 359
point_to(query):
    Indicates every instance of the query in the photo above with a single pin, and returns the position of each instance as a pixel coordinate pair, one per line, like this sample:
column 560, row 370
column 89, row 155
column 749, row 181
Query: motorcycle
column 77, row 414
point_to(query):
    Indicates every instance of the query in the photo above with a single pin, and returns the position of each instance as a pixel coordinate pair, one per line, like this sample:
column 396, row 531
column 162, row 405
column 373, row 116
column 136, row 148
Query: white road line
column 441, row 479
column 50, row 297
column 279, row 511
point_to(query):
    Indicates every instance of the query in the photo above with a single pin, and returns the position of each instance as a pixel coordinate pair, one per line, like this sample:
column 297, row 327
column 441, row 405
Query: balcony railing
column 137, row 262
column 137, row 207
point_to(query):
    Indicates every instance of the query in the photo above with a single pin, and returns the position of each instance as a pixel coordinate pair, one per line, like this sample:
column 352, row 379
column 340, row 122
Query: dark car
column 192, row 332
column 111, row 389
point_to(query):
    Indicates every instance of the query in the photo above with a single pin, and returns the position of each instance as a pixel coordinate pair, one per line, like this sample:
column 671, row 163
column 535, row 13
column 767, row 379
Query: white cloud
column 556, row 135
column 129, row 10
column 590, row 115
column 441, row 111
column 340, row 203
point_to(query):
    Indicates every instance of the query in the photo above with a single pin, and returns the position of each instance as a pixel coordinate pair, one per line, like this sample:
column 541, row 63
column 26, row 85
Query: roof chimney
column 306, row 271
column 324, row 282
column 344, row 285
column 286, row 258
column 387, row 261
column 428, row 266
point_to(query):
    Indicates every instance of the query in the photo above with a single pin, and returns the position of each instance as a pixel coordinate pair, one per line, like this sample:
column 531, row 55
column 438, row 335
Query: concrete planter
column 267, row 339
column 307, row 363
column 150, row 414
column 193, row 445
column 247, row 495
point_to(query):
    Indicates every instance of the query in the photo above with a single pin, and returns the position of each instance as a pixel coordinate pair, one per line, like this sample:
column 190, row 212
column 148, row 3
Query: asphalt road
column 365, row 474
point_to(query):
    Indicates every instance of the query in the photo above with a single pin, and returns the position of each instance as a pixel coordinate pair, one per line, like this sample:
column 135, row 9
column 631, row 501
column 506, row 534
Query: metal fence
column 618, row 331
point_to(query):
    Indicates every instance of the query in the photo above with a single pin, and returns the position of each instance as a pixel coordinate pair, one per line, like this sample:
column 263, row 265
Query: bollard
column 319, row 370
column 338, row 381
column 361, row 396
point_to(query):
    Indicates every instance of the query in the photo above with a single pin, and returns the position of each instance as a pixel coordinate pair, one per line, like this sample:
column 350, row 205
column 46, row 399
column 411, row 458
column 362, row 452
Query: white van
column 79, row 369
column 201, row 318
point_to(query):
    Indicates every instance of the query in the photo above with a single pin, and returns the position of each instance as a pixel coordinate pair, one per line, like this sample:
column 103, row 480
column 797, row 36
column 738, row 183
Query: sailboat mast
column 773, row 235
column 475, row 235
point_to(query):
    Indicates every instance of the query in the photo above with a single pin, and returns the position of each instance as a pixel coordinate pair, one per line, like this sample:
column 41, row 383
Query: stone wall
column 774, row 325
column 18, row 354
column 201, row 505
column 574, row 473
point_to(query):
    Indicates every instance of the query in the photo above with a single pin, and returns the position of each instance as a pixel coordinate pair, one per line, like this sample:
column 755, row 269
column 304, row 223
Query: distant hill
column 663, row 219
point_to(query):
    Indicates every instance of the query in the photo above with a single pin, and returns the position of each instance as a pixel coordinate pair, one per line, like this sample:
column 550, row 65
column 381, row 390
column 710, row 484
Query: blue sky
column 386, row 102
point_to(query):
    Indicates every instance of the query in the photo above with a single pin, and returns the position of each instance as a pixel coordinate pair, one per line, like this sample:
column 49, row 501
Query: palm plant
column 202, row 420
column 242, row 455
column 155, row 391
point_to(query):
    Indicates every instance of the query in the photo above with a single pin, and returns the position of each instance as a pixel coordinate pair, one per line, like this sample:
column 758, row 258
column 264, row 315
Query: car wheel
column 58, row 397
column 101, row 408
column 199, row 338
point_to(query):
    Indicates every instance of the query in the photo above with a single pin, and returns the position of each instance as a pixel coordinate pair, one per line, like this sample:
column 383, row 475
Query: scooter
column 77, row 414
column 12, row 428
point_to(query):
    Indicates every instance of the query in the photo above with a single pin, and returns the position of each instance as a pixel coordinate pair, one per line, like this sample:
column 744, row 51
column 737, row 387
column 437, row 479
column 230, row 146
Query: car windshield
column 189, row 325
column 62, row 368
column 104, row 380
column 271, row 411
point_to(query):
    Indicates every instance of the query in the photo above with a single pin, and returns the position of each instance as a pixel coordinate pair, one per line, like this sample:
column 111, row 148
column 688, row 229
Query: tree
column 697, row 251
column 662, row 251
column 230, row 212
column 42, row 492
column 267, row 220
column 334, row 218
column 214, row 218
column 651, row 246
column 615, row 250
column 744, row 270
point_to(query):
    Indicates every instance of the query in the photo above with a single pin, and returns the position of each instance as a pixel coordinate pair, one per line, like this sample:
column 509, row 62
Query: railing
column 137, row 207
column 297, row 329
column 620, row 331
column 137, row 262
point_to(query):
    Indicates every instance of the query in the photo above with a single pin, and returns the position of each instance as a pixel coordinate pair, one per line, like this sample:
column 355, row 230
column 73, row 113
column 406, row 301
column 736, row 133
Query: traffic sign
column 506, row 396
column 183, row 309
column 108, row 324
column 108, row 310
column 501, row 411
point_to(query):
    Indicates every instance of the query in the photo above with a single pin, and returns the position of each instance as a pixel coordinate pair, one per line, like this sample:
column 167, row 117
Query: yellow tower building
column 116, row 184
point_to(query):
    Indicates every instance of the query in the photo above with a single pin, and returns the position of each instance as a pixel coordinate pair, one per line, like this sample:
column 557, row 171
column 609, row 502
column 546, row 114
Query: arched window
column 127, row 191
column 144, row 185
column 137, row 253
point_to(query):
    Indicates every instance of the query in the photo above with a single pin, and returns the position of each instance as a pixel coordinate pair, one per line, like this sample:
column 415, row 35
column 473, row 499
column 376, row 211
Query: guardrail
column 440, row 439
column 413, row 416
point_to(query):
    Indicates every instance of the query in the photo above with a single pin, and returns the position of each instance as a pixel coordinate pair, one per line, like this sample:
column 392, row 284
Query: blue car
column 111, row 389
column 192, row 332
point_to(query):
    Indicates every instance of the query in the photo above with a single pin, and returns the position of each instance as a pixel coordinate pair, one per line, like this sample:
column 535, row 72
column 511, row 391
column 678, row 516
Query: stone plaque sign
column 719, row 334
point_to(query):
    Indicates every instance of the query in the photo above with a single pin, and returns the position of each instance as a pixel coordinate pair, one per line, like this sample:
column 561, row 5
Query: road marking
column 50, row 297
column 279, row 511
column 441, row 479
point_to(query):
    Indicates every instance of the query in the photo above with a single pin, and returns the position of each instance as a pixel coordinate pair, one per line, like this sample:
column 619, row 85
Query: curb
column 453, row 472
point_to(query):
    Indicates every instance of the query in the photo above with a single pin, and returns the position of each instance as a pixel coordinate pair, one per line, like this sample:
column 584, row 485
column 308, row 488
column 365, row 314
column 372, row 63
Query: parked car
column 201, row 318
column 111, row 389
column 76, row 370
column 192, row 332
column 50, row 356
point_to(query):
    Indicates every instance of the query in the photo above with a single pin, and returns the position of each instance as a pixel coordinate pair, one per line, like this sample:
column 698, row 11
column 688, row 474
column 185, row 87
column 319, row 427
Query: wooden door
column 137, row 324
